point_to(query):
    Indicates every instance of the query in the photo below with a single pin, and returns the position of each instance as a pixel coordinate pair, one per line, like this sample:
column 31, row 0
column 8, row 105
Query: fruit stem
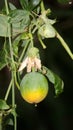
column 33, row 69
column 42, row 43
column 64, row 44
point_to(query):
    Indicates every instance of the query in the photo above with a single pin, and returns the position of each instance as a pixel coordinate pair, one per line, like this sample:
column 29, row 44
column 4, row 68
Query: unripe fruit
column 34, row 87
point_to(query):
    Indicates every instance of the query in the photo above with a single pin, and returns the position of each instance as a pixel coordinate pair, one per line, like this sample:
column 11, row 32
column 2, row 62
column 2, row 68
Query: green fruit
column 34, row 87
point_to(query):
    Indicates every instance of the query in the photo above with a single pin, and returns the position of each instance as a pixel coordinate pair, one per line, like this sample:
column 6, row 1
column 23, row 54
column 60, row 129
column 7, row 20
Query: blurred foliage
column 64, row 1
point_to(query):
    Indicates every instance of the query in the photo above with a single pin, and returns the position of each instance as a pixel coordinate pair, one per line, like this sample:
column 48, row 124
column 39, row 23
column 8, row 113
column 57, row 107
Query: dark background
column 52, row 113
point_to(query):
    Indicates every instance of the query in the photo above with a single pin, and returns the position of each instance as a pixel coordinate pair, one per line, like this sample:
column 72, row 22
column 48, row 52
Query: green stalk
column 64, row 44
column 6, row 4
column 0, row 122
column 12, row 67
column 8, row 91
column 42, row 43
column 22, row 54
column 13, row 102
column 15, row 77
column 13, row 71
column 13, row 86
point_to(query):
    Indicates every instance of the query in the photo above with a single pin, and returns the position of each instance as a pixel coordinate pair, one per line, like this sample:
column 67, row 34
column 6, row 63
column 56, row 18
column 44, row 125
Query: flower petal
column 23, row 64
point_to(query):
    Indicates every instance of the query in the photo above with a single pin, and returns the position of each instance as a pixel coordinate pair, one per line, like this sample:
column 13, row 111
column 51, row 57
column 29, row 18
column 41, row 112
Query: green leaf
column 18, row 15
column 20, row 20
column 3, row 105
column 34, row 3
column 4, row 25
column 29, row 5
column 56, row 80
column 50, row 21
column 11, row 6
column 15, row 45
column 64, row 1
column 24, row 4
column 59, row 85
column 3, row 61
column 49, row 74
column 9, row 122
column 13, row 112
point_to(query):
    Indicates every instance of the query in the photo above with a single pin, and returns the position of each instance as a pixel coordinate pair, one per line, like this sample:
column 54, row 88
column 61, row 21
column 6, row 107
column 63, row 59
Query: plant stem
column 6, row 4
column 64, row 44
column 42, row 43
column 15, row 77
column 0, row 122
column 8, row 90
column 22, row 54
column 13, row 102
column 13, row 69
column 13, row 86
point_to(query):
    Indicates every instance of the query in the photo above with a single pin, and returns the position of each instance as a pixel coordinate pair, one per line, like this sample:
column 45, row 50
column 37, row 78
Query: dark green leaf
column 29, row 5
column 64, row 1
column 34, row 3
column 58, row 85
column 13, row 112
column 16, row 43
column 49, row 75
column 24, row 4
column 56, row 80
column 3, row 105
column 9, row 122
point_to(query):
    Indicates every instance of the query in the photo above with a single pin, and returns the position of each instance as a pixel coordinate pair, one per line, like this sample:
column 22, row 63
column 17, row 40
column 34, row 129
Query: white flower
column 30, row 63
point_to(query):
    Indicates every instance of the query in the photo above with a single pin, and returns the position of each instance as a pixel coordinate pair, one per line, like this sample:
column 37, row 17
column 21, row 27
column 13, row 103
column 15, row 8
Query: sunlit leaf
column 11, row 6
column 4, row 25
